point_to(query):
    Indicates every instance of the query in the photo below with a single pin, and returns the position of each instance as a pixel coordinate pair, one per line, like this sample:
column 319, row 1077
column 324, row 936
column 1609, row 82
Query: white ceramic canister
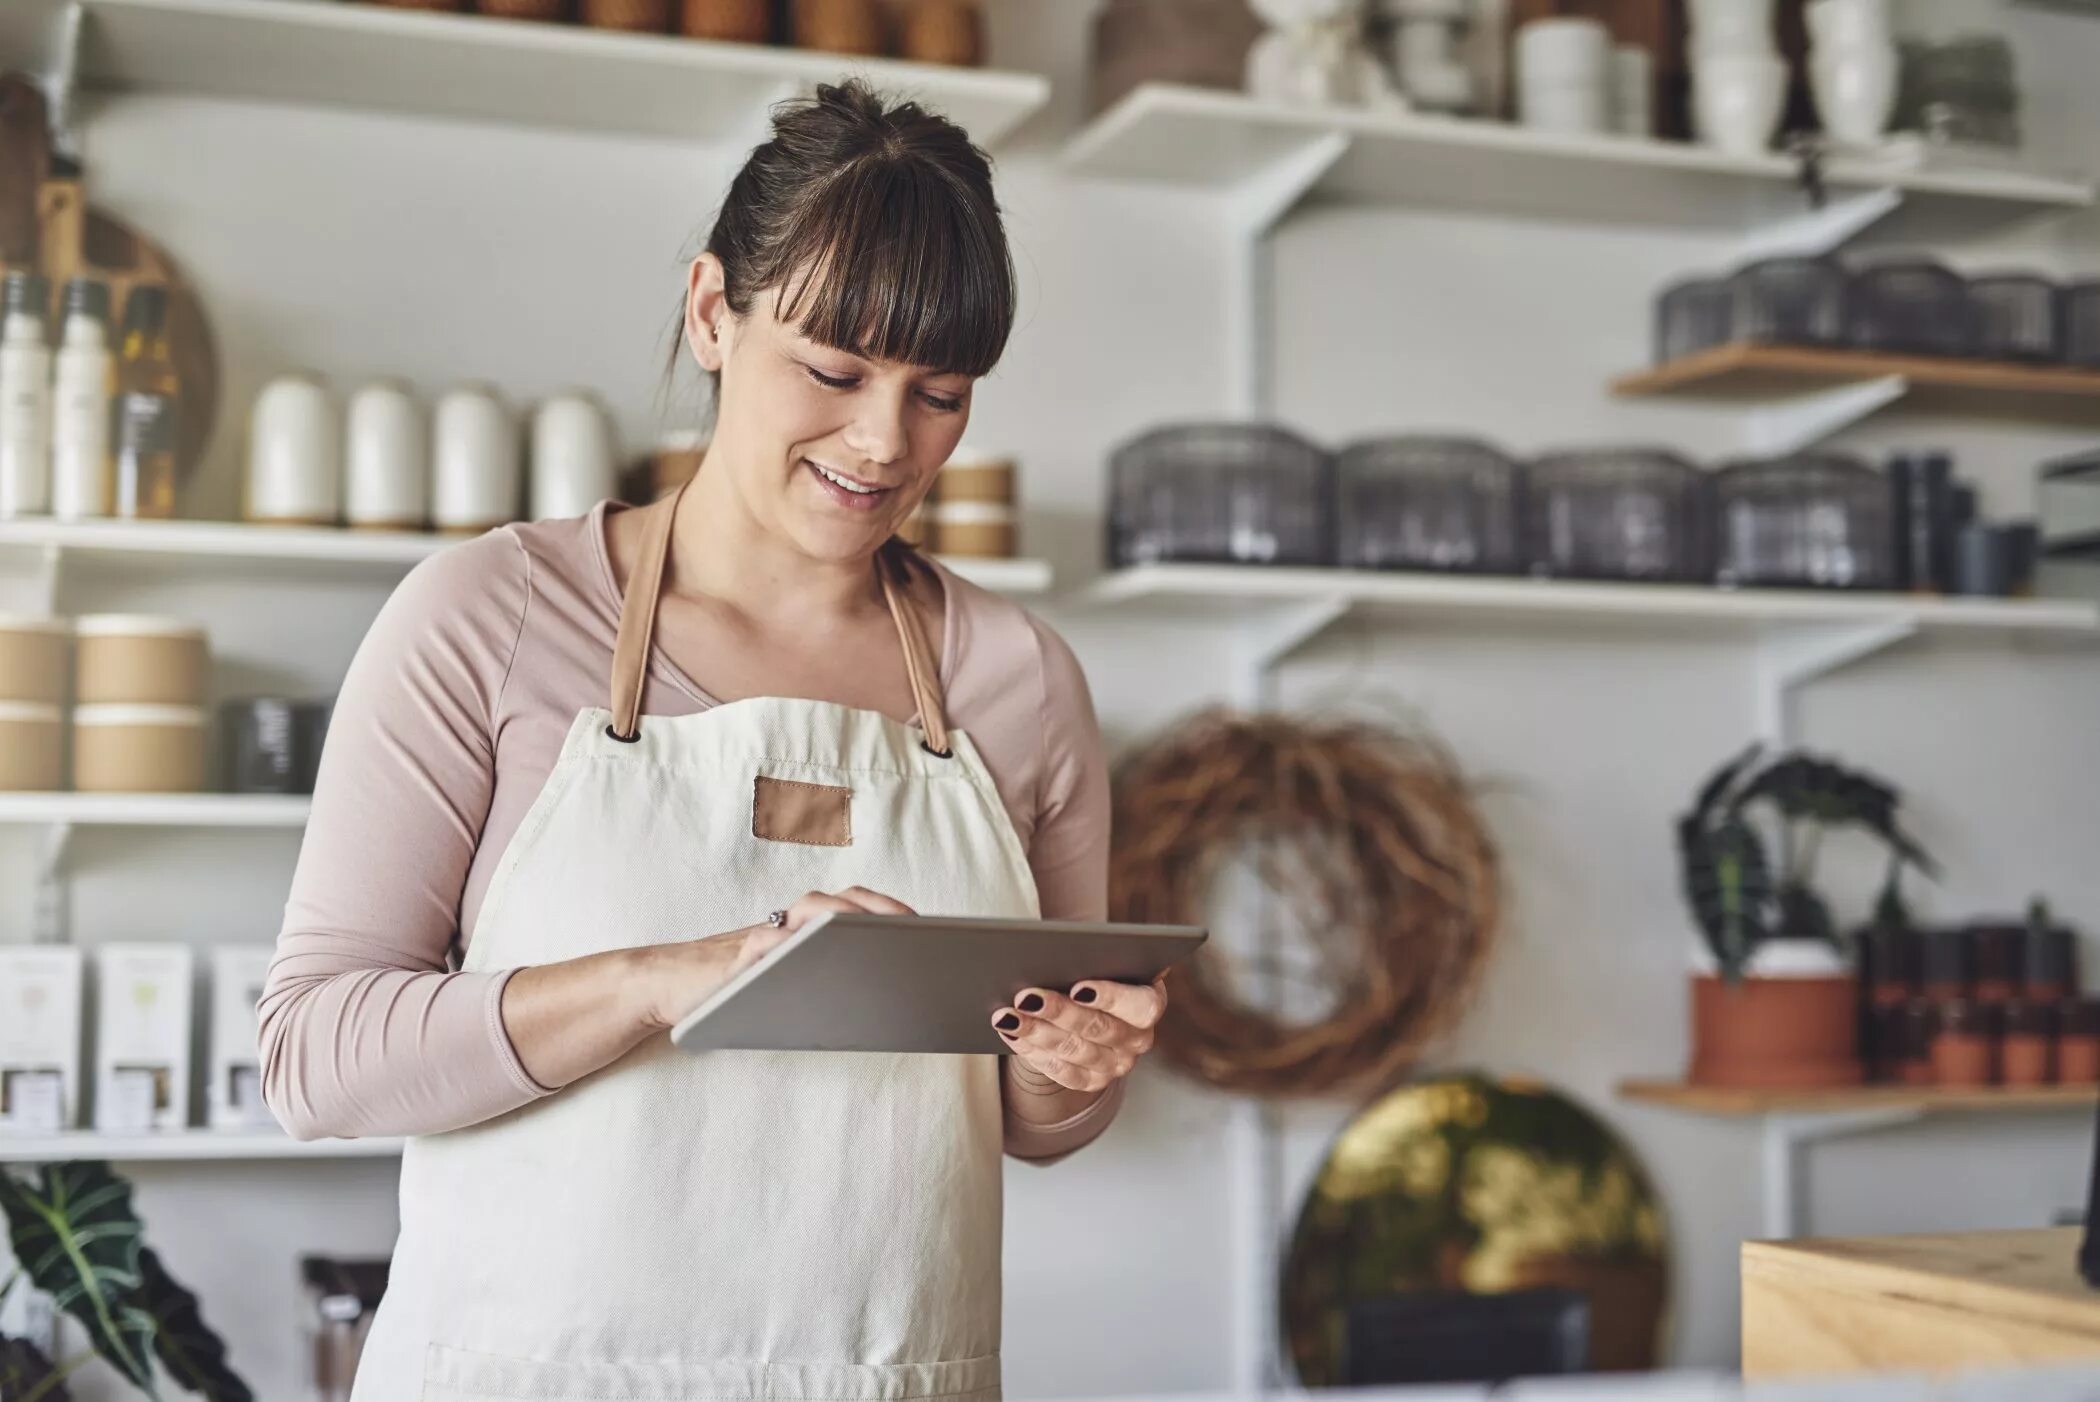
column 1725, row 27
column 1564, row 71
column 574, row 463
column 475, row 464
column 295, row 453
column 386, row 459
column 1632, row 91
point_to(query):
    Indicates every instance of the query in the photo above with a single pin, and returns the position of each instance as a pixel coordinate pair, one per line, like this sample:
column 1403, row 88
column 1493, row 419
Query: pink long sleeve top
column 447, row 726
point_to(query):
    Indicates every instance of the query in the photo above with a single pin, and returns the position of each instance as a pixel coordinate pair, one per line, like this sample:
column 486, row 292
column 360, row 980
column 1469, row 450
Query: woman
column 587, row 1212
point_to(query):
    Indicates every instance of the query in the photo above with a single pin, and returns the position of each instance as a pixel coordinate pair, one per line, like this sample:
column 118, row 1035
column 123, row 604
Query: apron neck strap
column 632, row 644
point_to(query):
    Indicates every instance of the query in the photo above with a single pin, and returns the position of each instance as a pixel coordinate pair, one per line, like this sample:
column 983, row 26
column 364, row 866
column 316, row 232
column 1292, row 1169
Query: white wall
column 356, row 244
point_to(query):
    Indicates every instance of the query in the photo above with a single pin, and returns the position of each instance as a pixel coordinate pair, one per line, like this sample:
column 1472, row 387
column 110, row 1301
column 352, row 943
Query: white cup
column 387, row 459
column 295, row 453
column 475, row 468
column 1565, row 109
column 1849, row 23
column 1563, row 53
column 1731, row 27
column 574, row 465
column 1855, row 90
column 1632, row 91
column 1737, row 101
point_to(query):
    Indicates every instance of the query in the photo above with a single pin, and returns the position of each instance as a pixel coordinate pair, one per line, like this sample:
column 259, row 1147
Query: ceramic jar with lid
column 295, row 454
column 1965, row 1051
column 138, row 749
column 137, row 659
column 386, row 470
column 574, row 463
column 33, row 658
column 2027, row 1056
column 476, row 469
column 32, row 746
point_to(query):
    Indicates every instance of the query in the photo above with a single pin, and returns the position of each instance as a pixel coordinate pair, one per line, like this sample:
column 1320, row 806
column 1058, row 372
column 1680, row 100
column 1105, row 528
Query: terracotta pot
column 639, row 16
column 542, row 11
column 735, row 21
column 1775, row 1032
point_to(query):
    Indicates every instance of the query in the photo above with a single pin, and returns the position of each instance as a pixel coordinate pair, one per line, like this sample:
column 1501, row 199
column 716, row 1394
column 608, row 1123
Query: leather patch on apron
column 816, row 815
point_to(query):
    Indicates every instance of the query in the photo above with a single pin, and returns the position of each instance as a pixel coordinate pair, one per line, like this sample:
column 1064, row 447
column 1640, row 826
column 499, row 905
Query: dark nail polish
column 1084, row 995
column 1033, row 1003
column 1007, row 1023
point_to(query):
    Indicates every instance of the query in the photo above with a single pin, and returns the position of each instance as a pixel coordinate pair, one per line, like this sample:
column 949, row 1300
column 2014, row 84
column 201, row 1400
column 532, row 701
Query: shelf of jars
column 215, row 547
column 1231, row 144
column 1746, row 371
column 378, row 58
column 1734, row 1101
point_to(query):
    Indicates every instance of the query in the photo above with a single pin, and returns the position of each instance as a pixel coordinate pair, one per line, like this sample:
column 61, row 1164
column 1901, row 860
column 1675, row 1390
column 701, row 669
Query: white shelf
column 220, row 546
column 151, row 810
column 190, row 1145
column 1227, row 591
column 1228, row 143
column 470, row 67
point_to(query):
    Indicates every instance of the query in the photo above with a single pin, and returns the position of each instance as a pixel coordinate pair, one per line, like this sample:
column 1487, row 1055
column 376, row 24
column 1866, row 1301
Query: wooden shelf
column 220, row 546
column 1746, row 371
column 191, row 1145
column 1227, row 143
column 1724, row 1100
column 153, row 810
column 1226, row 591
column 378, row 59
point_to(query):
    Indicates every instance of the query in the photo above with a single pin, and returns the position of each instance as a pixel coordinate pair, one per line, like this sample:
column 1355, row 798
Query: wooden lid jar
column 33, row 659
column 971, row 475
column 138, row 749
column 133, row 659
column 32, row 746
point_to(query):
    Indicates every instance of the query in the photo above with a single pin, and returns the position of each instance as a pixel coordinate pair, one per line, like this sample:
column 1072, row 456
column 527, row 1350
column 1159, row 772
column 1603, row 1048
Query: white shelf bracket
column 1792, row 659
column 1786, row 1141
column 51, row 913
column 1267, row 639
column 1252, row 210
column 1817, row 232
column 1801, row 422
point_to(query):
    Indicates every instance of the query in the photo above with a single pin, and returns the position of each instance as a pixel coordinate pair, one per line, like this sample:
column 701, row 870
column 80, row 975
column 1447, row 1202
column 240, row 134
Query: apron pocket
column 462, row 1375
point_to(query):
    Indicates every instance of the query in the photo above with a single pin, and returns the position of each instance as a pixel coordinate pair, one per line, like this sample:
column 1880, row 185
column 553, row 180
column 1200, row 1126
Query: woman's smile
column 853, row 493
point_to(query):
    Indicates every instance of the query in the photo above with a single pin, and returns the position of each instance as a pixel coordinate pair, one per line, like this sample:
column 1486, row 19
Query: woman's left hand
column 1086, row 1041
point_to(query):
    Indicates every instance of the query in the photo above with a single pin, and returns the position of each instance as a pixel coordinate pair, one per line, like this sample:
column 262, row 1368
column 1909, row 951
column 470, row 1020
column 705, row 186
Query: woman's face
column 827, row 448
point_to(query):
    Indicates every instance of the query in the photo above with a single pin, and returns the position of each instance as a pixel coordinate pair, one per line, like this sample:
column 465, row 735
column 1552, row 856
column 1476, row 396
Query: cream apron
column 731, row 1224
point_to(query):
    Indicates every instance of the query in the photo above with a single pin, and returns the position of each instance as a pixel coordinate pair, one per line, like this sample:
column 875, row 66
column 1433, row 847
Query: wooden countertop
column 1942, row 1302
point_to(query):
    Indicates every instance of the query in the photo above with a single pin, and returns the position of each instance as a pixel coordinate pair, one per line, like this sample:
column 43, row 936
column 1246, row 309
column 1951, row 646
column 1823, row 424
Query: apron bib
column 801, row 1226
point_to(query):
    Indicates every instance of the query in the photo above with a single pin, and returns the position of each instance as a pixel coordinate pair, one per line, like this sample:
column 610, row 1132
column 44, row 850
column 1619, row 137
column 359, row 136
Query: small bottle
column 83, row 385
column 25, row 396
column 2078, row 1041
column 1920, row 1028
column 1965, row 1053
column 148, row 398
column 1998, row 957
column 1895, row 961
column 2028, row 1056
column 2052, row 957
column 1949, row 964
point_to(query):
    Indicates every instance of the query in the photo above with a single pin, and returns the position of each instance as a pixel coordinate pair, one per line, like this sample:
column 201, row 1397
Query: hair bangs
column 891, row 262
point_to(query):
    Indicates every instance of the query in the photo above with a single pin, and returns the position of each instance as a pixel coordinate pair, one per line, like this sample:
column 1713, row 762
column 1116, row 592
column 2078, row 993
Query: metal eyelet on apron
column 612, row 734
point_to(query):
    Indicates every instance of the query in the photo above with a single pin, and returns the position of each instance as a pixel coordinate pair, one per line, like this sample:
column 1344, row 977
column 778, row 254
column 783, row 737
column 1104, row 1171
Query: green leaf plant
column 1740, row 895
column 78, row 1239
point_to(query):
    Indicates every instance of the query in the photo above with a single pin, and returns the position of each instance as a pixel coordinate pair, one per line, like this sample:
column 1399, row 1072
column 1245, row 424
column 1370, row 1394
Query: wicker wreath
column 1368, row 838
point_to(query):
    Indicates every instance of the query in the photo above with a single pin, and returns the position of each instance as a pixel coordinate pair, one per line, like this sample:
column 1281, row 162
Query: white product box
column 142, row 1037
column 40, row 1007
column 233, row 1095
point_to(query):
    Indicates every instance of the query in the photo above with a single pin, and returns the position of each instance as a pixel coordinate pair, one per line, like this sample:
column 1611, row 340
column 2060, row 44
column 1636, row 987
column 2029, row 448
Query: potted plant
column 76, row 1237
column 1779, row 1005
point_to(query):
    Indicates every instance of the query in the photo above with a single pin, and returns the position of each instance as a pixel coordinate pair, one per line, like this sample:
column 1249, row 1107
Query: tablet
column 916, row 983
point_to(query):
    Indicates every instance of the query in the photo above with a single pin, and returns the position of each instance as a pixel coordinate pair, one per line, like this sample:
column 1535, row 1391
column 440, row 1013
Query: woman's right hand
column 683, row 976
